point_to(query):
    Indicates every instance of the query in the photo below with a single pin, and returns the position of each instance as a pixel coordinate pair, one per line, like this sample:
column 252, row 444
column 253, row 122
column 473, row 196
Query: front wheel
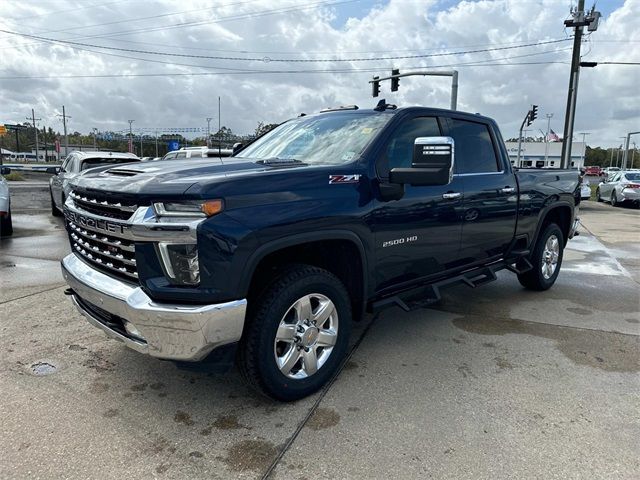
column 6, row 225
column 614, row 199
column 297, row 333
column 546, row 260
column 54, row 210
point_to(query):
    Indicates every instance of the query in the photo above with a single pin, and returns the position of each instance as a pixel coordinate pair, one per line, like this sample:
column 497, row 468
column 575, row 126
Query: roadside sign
column 58, row 146
column 3, row 130
column 173, row 145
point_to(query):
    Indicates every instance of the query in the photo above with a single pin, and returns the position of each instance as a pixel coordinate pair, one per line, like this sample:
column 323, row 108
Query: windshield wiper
column 280, row 161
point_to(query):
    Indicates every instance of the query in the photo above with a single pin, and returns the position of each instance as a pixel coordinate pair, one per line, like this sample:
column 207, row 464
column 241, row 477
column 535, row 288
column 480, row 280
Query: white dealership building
column 545, row 155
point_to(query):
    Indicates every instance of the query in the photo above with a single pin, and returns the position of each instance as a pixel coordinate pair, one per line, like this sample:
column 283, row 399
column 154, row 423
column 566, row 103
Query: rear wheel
column 296, row 334
column 54, row 210
column 546, row 260
column 598, row 197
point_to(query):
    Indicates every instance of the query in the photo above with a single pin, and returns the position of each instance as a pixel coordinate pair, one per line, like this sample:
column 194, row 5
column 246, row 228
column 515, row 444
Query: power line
column 260, row 72
column 284, row 60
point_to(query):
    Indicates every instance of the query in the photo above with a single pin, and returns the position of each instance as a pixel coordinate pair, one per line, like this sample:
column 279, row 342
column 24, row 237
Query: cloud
column 608, row 95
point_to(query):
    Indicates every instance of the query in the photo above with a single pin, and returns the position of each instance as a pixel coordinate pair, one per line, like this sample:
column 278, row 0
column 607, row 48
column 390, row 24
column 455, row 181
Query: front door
column 418, row 235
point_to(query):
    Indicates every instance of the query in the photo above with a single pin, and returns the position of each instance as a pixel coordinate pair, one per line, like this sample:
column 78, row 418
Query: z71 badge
column 344, row 179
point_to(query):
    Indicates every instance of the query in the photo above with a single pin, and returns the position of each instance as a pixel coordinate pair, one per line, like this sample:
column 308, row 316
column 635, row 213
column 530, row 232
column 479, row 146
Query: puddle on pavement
column 250, row 455
column 43, row 368
column 609, row 351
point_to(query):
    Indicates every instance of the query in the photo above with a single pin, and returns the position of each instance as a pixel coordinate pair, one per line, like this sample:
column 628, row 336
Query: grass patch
column 593, row 191
column 14, row 177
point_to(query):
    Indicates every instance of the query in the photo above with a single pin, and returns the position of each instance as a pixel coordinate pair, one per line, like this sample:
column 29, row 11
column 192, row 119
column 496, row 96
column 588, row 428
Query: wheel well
column 561, row 216
column 340, row 257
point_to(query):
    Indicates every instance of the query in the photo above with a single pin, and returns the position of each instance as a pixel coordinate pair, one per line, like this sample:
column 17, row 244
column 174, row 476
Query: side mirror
column 5, row 171
column 432, row 163
column 53, row 170
column 236, row 148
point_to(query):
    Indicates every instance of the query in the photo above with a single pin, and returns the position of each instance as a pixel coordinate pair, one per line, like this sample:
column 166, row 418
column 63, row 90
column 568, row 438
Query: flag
column 553, row 137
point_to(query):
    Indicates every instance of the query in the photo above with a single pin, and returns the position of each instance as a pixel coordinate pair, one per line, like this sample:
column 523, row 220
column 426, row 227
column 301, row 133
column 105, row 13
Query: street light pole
column 34, row 119
column 209, row 131
column 546, row 139
column 130, row 136
column 626, row 149
column 584, row 146
column 95, row 138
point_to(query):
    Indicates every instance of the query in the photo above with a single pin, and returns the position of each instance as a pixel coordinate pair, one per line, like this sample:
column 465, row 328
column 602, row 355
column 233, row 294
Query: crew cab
column 268, row 258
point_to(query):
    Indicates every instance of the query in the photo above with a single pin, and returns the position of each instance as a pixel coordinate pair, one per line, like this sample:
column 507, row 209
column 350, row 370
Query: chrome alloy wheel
column 550, row 257
column 306, row 336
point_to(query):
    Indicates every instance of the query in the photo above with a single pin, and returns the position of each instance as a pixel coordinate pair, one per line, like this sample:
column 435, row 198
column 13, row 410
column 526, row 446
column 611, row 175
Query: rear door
column 418, row 235
column 490, row 191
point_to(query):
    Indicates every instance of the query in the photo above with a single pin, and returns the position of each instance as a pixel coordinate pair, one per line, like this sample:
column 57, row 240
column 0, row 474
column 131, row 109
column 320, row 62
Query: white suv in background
column 198, row 152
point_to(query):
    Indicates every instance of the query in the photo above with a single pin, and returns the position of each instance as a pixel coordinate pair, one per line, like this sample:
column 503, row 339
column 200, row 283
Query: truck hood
column 165, row 178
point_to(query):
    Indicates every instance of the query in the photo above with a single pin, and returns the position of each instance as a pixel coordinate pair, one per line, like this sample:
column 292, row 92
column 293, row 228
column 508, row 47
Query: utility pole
column 626, row 149
column 141, row 151
column 156, row 143
column 578, row 22
column 130, row 136
column 64, row 125
column 95, row 138
column 219, row 128
column 546, row 139
column 35, row 127
column 209, row 131
column 633, row 155
column 611, row 158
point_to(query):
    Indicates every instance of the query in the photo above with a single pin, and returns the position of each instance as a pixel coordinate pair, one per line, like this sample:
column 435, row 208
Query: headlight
column 195, row 209
column 180, row 262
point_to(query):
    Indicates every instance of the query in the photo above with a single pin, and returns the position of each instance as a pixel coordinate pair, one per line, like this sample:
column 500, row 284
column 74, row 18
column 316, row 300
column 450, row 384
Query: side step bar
column 421, row 297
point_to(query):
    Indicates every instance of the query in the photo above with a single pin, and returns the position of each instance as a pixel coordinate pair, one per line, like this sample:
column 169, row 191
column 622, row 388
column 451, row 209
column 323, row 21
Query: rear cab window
column 100, row 162
column 475, row 151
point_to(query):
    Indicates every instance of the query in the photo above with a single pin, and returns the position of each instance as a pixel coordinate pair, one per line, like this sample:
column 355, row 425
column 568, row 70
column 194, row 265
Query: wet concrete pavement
column 495, row 382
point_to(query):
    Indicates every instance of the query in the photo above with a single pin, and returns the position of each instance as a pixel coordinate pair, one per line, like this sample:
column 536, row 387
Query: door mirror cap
column 236, row 148
column 432, row 163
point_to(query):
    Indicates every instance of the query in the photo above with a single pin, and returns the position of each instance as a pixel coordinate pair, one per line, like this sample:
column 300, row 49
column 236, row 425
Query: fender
column 546, row 211
column 300, row 239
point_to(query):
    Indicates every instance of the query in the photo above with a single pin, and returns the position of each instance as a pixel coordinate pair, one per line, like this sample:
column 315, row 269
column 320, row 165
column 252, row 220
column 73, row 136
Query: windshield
column 100, row 162
column 325, row 139
column 633, row 177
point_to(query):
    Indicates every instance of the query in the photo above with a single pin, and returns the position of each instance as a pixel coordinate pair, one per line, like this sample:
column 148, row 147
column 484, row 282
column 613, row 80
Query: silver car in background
column 6, row 226
column 77, row 163
column 621, row 187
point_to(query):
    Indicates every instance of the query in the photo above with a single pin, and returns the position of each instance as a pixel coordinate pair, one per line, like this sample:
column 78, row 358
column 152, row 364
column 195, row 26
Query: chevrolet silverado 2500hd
column 268, row 257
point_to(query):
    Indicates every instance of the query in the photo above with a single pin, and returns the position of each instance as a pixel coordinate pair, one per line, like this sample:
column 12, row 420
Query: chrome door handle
column 451, row 195
column 508, row 190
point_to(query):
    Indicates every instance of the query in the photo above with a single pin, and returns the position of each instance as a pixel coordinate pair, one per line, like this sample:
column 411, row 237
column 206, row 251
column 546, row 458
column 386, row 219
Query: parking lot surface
column 494, row 382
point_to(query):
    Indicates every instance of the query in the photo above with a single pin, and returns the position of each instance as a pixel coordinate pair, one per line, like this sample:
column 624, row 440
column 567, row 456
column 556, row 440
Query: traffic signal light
column 533, row 114
column 395, row 81
column 375, row 87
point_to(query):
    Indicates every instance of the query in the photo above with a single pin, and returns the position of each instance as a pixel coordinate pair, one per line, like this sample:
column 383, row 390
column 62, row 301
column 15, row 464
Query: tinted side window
column 474, row 152
column 181, row 155
column 399, row 150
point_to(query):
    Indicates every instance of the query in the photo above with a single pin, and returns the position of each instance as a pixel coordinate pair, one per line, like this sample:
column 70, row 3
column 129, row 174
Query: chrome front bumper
column 168, row 331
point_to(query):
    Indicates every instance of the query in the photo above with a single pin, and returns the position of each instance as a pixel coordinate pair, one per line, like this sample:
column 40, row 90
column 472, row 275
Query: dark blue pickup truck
column 267, row 257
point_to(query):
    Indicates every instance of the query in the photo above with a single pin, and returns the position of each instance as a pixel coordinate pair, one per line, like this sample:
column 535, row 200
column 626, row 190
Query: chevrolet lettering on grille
column 96, row 223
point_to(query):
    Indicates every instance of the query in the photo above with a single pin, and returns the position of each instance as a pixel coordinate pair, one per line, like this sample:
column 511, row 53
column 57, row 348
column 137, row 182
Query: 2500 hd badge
column 399, row 241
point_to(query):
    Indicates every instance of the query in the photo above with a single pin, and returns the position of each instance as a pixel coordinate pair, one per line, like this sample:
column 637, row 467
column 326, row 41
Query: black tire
column 534, row 279
column 614, row 199
column 6, row 226
column 598, row 197
column 54, row 210
column 256, row 356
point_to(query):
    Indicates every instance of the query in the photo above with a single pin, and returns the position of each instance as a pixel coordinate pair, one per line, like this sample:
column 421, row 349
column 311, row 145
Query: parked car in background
column 593, row 170
column 76, row 164
column 6, row 226
column 198, row 152
column 609, row 171
column 622, row 187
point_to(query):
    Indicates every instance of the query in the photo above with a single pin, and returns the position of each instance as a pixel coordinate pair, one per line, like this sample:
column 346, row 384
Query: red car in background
column 593, row 171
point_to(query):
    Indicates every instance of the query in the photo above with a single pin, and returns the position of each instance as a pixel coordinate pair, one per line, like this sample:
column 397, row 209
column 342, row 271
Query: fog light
column 131, row 329
column 180, row 262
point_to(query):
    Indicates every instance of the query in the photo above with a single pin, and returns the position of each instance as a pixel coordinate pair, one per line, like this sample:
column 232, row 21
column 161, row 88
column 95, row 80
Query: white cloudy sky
column 39, row 74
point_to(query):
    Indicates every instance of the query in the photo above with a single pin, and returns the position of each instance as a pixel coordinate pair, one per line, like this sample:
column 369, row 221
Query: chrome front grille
column 105, row 250
column 102, row 206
